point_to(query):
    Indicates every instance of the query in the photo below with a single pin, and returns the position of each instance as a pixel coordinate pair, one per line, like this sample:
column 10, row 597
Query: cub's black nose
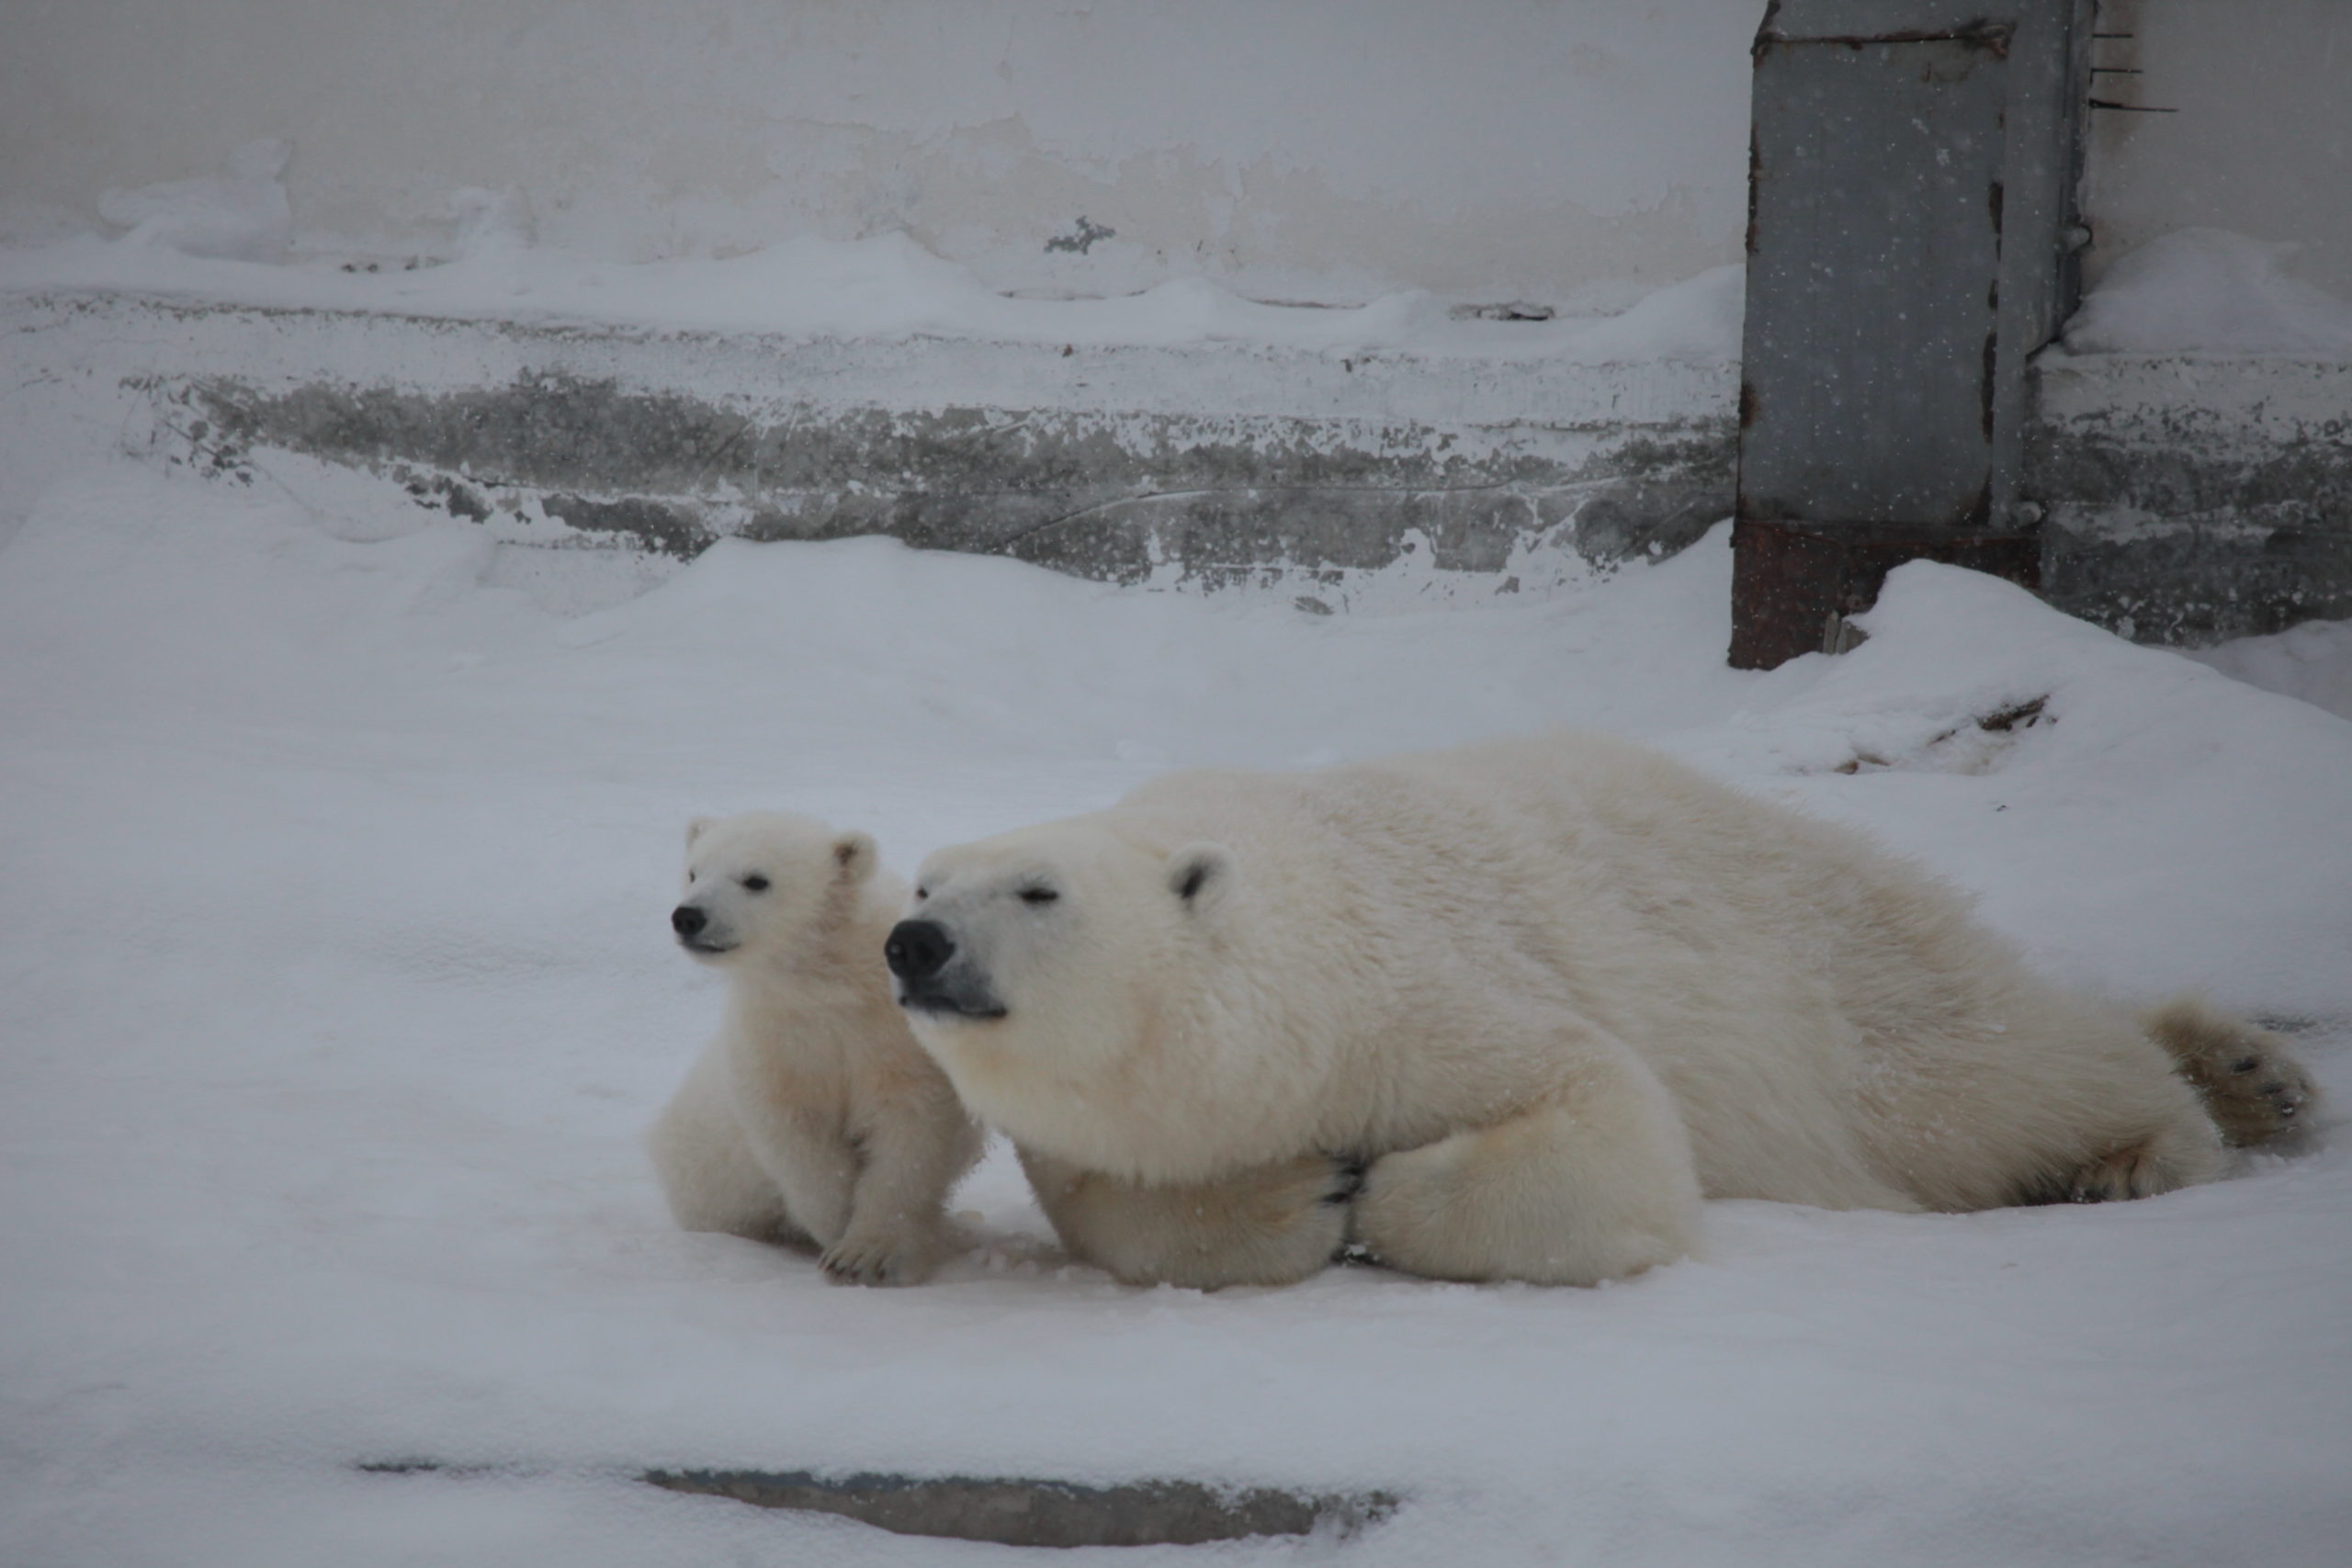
column 687, row 921
column 918, row 949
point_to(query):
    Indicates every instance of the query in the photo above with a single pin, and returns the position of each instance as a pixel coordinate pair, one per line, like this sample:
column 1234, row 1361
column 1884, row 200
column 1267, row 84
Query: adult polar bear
column 1539, row 996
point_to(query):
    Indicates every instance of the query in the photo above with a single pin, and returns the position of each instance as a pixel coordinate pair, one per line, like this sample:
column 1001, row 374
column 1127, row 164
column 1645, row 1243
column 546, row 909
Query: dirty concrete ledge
column 2183, row 500
column 1211, row 463
column 2191, row 499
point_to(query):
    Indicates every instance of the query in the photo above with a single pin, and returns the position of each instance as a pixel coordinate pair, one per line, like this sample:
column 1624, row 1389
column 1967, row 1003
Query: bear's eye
column 922, row 894
column 755, row 882
column 1038, row 895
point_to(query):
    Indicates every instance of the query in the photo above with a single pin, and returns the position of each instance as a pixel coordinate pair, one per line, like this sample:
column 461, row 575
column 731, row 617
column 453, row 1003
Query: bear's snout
column 918, row 950
column 687, row 921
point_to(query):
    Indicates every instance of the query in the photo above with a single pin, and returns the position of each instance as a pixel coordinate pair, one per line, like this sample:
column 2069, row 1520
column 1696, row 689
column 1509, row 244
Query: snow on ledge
column 2209, row 291
column 885, row 288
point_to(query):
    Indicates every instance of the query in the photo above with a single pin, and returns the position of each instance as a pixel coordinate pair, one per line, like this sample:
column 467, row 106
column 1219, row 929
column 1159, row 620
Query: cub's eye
column 922, row 894
column 1038, row 895
column 755, row 882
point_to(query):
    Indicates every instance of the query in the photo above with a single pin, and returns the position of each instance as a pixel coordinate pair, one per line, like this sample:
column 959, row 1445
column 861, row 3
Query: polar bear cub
column 814, row 1116
column 1510, row 1012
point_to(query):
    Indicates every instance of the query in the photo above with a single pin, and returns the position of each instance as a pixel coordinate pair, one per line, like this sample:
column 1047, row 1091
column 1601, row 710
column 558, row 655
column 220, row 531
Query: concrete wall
column 2261, row 139
column 2189, row 499
column 1572, row 151
column 2200, row 498
column 1210, row 465
column 1578, row 151
column 2184, row 499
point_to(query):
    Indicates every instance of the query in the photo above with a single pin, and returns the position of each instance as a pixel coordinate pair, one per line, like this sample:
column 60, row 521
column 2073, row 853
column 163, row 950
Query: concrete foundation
column 2182, row 500
column 1214, row 464
column 2188, row 500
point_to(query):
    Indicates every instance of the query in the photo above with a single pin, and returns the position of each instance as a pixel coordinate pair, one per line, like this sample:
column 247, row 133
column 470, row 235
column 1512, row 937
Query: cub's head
column 767, row 883
column 1050, row 950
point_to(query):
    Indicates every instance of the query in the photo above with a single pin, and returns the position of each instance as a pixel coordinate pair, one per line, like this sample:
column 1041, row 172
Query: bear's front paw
column 1270, row 1224
column 1519, row 1200
column 1400, row 1208
column 887, row 1258
column 1346, row 1180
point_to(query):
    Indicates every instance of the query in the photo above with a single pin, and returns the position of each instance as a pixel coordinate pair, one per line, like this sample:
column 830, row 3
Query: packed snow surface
column 338, row 987
column 2210, row 291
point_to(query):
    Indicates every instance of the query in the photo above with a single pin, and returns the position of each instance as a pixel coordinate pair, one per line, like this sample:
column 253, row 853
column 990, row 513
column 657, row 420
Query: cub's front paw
column 880, row 1258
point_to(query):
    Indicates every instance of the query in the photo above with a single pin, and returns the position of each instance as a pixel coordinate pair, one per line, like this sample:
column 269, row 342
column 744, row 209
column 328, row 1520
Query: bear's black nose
column 918, row 949
column 687, row 921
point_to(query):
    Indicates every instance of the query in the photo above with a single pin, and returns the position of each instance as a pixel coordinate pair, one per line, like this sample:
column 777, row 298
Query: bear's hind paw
column 2266, row 1097
column 2252, row 1086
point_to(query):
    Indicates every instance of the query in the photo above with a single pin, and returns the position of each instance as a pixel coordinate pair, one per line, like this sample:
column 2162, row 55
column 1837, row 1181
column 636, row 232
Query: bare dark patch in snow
column 1977, row 747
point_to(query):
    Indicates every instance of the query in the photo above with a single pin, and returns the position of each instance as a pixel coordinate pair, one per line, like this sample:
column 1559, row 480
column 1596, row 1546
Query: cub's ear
column 1200, row 875
column 855, row 856
column 697, row 828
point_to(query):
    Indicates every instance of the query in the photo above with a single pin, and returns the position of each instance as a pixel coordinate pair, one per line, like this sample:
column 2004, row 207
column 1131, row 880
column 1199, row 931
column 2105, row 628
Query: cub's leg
column 706, row 1165
column 2253, row 1087
column 1593, row 1183
column 1270, row 1225
column 914, row 1150
column 811, row 1161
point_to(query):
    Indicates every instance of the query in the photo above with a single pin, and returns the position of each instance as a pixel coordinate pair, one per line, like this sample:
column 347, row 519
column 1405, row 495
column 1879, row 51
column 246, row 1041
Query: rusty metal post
column 1911, row 228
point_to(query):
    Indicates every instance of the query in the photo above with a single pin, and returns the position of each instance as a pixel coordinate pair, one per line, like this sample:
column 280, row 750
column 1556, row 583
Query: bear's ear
column 855, row 856
column 697, row 828
column 1200, row 875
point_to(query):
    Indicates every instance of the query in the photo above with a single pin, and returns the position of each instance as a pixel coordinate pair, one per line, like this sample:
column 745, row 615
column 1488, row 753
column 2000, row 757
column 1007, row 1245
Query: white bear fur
column 813, row 1117
column 1551, row 992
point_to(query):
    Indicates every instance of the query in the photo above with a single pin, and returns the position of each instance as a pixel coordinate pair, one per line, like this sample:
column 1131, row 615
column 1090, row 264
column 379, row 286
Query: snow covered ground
column 335, row 987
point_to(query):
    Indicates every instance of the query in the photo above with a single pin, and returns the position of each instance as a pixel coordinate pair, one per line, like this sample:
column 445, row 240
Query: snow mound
column 1697, row 320
column 244, row 216
column 2210, row 291
column 2311, row 661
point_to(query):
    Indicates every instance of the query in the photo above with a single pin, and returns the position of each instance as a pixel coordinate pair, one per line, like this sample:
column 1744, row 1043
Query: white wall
column 1325, row 150
column 2262, row 142
column 1579, row 152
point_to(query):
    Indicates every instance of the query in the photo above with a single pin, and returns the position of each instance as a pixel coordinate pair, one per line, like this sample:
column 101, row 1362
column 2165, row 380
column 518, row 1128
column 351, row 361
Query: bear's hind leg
column 2254, row 1089
column 705, row 1165
column 1594, row 1183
